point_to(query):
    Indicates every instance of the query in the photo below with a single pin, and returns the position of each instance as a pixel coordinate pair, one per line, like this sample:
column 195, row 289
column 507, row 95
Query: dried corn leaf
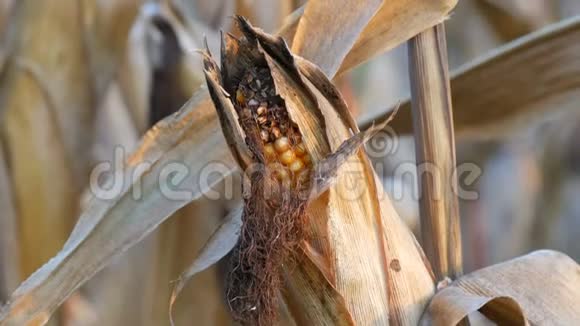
column 540, row 288
column 394, row 23
column 329, row 26
column 488, row 102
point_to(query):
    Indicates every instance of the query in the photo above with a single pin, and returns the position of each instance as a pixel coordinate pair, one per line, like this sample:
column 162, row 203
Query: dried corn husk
column 347, row 224
column 537, row 289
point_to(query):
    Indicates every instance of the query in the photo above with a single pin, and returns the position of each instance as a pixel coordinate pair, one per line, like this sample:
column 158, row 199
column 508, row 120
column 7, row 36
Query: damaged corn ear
column 270, row 116
column 264, row 139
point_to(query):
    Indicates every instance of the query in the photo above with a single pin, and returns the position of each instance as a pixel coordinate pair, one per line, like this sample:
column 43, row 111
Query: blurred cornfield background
column 80, row 78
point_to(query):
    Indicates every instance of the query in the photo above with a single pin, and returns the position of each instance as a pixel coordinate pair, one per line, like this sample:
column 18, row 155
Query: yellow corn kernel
column 296, row 166
column 287, row 157
column 282, row 144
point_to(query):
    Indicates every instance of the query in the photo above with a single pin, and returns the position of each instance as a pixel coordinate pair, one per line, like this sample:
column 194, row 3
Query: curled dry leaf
column 488, row 102
column 540, row 288
column 186, row 137
column 329, row 25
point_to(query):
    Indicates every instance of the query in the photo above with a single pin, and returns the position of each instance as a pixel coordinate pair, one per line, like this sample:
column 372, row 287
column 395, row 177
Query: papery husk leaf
column 489, row 103
column 539, row 288
column 124, row 220
column 233, row 133
column 326, row 171
column 359, row 240
column 328, row 30
column 311, row 298
column 393, row 23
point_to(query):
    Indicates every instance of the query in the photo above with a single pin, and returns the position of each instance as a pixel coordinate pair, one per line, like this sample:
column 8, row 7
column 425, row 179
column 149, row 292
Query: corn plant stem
column 435, row 151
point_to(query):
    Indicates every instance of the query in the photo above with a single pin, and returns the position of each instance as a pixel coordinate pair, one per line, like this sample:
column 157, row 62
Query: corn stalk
column 435, row 150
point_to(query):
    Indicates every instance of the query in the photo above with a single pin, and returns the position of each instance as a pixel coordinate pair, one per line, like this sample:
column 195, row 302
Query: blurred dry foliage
column 81, row 80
